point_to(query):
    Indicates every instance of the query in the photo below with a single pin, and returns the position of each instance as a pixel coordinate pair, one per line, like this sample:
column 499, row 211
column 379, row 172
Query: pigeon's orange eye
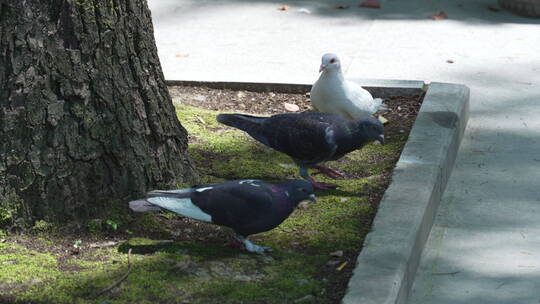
column 332, row 60
column 303, row 190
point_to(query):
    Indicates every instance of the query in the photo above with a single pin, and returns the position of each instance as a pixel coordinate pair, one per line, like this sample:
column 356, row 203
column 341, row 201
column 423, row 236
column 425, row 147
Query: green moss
column 42, row 226
column 206, row 271
column 9, row 204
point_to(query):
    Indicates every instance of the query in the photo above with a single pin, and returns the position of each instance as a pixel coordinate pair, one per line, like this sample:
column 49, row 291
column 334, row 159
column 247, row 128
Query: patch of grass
column 204, row 271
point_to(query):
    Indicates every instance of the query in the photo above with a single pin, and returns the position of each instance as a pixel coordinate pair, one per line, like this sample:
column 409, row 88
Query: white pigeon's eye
column 333, row 60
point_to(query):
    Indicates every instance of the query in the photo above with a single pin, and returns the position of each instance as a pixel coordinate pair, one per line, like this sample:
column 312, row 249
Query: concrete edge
column 387, row 264
column 381, row 88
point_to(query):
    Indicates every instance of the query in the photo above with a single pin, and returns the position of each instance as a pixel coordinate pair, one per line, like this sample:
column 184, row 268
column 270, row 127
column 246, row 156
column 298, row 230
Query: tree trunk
column 86, row 120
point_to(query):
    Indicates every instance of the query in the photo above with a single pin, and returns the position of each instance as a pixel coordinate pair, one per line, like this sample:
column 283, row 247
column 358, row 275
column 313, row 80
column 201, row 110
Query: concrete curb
column 381, row 88
column 387, row 264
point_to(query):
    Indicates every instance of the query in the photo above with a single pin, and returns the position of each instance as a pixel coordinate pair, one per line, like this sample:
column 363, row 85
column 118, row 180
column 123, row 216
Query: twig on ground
column 120, row 280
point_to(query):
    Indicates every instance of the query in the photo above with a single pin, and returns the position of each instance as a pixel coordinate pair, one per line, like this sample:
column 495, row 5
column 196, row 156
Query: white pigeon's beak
column 312, row 198
column 381, row 139
column 322, row 67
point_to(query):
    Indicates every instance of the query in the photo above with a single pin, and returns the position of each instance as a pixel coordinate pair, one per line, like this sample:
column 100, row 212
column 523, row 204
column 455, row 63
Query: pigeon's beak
column 312, row 198
column 381, row 139
column 322, row 67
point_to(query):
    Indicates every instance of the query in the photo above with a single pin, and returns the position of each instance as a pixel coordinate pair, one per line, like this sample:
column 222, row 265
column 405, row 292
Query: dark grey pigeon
column 309, row 138
column 247, row 206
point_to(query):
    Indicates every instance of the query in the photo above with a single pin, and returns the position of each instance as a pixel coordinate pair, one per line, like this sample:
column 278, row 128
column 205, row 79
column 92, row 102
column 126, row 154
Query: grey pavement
column 485, row 243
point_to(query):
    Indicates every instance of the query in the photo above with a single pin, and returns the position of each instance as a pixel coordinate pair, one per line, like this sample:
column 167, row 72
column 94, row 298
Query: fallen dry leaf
column 382, row 119
column 440, row 16
column 339, row 6
column 182, row 55
column 283, row 8
column 340, row 268
column 291, row 107
column 370, row 4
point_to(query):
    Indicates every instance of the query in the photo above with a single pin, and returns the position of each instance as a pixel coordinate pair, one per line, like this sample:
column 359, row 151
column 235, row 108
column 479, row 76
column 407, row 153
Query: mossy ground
column 196, row 267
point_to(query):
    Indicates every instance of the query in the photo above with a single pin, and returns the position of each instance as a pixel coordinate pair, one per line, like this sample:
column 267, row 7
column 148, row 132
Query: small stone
column 240, row 94
column 272, row 94
column 337, row 254
column 266, row 258
column 114, row 261
column 202, row 274
column 332, row 263
column 183, row 265
column 139, row 258
column 286, row 165
column 303, row 206
column 187, row 230
column 401, row 131
column 35, row 280
column 2, row 240
column 302, row 282
column 291, row 107
column 304, row 299
column 243, row 278
column 343, row 199
column 219, row 269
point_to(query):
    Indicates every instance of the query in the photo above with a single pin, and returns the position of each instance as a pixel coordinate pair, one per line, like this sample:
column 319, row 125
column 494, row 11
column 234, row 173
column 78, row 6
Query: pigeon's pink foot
column 329, row 172
column 320, row 185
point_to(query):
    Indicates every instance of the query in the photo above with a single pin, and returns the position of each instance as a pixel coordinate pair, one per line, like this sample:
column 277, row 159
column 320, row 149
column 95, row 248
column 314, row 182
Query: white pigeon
column 331, row 93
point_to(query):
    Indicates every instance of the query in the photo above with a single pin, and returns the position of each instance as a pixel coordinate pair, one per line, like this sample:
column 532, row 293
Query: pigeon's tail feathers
column 182, row 206
column 142, row 206
column 253, row 125
column 379, row 105
column 240, row 121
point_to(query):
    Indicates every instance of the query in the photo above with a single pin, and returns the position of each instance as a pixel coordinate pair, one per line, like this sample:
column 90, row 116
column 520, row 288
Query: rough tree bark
column 86, row 120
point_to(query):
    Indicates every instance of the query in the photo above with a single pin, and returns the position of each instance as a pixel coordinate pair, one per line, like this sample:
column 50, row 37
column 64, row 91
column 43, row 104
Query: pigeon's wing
column 361, row 101
column 305, row 136
column 235, row 204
